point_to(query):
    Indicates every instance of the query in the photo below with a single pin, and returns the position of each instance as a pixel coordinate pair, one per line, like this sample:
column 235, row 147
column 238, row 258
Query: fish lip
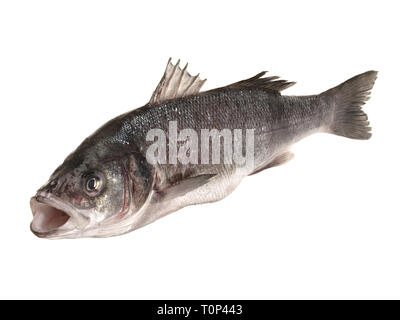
column 75, row 217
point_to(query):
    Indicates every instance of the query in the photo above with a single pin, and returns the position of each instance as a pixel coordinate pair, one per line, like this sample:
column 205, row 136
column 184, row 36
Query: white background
column 325, row 225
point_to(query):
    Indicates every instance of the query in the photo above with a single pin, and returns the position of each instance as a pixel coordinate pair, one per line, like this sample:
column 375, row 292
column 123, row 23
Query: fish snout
column 51, row 186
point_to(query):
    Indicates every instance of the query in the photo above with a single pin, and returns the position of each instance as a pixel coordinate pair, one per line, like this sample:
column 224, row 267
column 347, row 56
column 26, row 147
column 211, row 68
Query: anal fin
column 279, row 160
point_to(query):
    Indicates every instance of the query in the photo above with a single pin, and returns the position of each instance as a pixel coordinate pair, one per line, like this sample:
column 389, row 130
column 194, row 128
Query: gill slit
column 125, row 207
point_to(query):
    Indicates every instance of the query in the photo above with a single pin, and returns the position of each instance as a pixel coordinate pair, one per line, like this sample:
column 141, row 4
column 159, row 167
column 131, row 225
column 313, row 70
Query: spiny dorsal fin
column 176, row 83
column 267, row 83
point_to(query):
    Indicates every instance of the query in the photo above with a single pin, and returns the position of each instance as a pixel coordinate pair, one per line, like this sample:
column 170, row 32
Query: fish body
column 108, row 186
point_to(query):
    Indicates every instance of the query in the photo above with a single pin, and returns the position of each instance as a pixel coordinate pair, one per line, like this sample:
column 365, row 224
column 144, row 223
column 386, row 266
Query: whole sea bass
column 110, row 185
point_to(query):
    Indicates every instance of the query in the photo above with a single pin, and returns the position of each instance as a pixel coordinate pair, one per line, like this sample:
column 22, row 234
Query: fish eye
column 93, row 184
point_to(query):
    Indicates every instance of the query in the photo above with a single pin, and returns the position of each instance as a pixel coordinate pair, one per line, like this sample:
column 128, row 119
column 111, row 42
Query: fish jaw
column 54, row 218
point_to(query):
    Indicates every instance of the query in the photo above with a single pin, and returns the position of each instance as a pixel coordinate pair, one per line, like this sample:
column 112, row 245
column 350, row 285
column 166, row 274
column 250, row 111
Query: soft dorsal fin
column 176, row 83
column 267, row 83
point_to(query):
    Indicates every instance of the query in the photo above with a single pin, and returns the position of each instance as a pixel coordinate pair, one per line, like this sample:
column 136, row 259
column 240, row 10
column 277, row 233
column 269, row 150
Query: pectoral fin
column 181, row 187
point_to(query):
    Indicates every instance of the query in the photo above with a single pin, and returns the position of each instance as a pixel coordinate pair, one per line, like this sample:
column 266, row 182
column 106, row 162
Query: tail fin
column 349, row 120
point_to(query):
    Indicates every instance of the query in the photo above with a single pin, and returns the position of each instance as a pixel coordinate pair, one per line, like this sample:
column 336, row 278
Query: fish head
column 92, row 194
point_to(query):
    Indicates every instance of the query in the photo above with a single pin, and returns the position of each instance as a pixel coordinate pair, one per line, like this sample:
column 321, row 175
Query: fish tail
column 348, row 118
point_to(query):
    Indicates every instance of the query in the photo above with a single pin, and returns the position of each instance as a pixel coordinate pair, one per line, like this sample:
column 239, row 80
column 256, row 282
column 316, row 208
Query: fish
column 137, row 167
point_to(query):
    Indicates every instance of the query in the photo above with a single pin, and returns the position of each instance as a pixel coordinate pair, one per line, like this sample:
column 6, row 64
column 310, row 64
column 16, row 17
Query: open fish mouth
column 47, row 218
column 51, row 217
